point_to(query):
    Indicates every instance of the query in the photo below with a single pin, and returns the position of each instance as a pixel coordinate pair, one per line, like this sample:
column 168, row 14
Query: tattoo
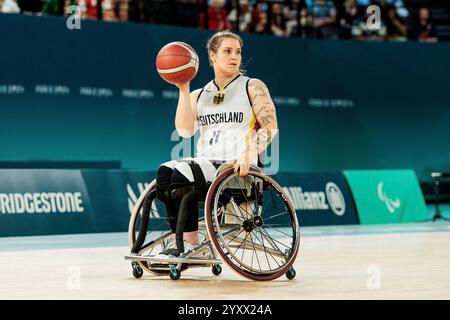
column 265, row 113
column 262, row 139
column 261, row 90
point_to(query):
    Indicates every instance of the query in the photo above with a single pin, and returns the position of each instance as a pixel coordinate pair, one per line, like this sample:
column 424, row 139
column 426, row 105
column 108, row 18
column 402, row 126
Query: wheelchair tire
column 257, row 235
column 133, row 226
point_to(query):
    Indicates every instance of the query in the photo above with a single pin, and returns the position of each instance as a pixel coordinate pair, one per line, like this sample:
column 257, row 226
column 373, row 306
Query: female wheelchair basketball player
column 237, row 121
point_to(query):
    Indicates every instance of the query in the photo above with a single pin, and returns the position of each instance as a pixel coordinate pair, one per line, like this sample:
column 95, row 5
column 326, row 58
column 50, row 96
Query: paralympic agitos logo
column 391, row 204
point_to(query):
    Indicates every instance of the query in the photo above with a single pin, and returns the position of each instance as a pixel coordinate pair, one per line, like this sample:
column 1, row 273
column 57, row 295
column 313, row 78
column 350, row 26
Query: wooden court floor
column 401, row 261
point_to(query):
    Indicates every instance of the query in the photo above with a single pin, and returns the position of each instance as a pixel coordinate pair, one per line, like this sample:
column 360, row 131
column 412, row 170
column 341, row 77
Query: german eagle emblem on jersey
column 218, row 98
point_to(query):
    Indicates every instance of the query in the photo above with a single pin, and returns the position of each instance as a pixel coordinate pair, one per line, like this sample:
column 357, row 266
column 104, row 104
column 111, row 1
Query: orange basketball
column 177, row 62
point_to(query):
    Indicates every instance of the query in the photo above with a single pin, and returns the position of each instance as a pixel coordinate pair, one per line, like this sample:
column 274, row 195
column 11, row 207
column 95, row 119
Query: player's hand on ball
column 183, row 86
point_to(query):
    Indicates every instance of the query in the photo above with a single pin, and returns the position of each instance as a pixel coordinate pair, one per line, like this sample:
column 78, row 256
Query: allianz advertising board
column 319, row 198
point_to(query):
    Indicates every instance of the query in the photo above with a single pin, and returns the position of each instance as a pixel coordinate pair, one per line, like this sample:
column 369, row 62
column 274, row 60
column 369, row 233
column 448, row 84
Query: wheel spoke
column 243, row 250
column 154, row 229
column 265, row 251
column 256, row 191
column 263, row 236
column 235, row 237
column 255, row 253
column 278, row 224
column 275, row 229
column 269, row 195
column 271, row 241
column 233, row 203
column 230, row 214
column 242, row 191
column 275, row 215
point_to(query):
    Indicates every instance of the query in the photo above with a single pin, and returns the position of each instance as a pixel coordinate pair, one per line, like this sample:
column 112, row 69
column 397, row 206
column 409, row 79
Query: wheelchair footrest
column 173, row 260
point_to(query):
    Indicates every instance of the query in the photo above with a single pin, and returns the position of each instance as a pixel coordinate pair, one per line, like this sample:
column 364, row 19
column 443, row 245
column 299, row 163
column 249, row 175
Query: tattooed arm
column 265, row 113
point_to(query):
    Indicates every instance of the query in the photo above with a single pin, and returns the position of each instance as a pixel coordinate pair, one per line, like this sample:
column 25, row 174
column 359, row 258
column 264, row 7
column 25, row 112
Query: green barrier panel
column 387, row 196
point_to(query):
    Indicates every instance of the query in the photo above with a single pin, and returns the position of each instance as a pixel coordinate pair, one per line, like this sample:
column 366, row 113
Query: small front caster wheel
column 174, row 273
column 290, row 274
column 137, row 270
column 216, row 269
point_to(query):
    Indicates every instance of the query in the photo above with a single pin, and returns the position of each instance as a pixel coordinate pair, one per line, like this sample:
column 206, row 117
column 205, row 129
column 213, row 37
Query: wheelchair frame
column 174, row 265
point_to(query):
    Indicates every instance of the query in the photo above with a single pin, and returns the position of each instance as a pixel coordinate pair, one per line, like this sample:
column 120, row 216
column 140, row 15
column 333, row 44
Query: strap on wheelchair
column 197, row 172
column 182, row 216
column 145, row 221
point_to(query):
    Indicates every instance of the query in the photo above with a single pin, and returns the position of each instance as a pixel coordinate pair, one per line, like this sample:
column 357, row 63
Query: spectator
column 67, row 4
column 217, row 16
column 385, row 4
column 324, row 14
column 260, row 23
column 423, row 29
column 245, row 17
column 351, row 12
column 299, row 20
column 9, row 6
column 122, row 9
column 402, row 11
column 396, row 28
column 258, row 8
column 187, row 12
column 30, row 6
column 88, row 9
column 109, row 12
column 53, row 7
column 145, row 11
column 277, row 21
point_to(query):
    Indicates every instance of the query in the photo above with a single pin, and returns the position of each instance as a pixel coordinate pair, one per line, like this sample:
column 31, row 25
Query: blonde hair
column 216, row 40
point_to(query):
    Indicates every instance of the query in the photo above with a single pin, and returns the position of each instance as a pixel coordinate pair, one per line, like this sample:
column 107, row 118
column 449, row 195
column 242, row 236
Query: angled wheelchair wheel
column 157, row 232
column 252, row 225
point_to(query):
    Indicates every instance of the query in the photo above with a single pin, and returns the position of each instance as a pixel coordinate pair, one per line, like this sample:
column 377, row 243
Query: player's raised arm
column 186, row 114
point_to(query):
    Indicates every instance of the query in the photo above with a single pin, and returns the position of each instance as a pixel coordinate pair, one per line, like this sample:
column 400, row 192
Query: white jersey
column 226, row 120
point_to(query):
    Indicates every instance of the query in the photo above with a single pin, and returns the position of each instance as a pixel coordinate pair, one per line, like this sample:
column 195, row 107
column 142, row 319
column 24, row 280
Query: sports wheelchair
column 248, row 223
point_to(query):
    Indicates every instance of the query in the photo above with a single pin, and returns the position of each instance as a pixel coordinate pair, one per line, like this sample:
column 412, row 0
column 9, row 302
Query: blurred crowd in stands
column 319, row 19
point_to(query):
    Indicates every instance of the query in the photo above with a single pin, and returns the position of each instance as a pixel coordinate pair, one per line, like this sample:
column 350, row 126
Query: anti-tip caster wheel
column 216, row 269
column 174, row 273
column 290, row 274
column 137, row 270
